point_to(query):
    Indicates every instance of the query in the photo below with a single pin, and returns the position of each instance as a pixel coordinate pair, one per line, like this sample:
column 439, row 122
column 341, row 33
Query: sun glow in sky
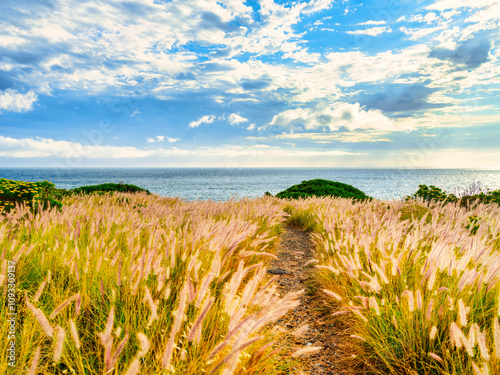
column 250, row 83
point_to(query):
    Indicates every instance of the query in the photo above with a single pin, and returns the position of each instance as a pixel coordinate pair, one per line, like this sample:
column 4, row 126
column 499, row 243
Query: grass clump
column 322, row 188
column 304, row 219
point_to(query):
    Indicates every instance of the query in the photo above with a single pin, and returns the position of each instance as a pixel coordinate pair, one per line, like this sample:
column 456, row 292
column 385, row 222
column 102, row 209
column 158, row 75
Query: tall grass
column 417, row 283
column 136, row 283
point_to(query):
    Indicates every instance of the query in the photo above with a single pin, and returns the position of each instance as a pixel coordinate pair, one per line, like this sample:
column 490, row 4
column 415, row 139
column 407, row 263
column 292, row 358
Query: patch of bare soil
column 314, row 338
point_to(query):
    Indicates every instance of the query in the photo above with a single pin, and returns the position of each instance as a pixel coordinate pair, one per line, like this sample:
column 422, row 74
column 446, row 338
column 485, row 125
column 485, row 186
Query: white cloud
column 374, row 31
column 372, row 23
column 161, row 138
column 202, row 120
column 158, row 138
column 128, row 45
column 349, row 137
column 251, row 127
column 135, row 112
column 428, row 18
column 236, row 119
column 333, row 117
column 418, row 33
column 454, row 4
column 13, row 101
column 43, row 147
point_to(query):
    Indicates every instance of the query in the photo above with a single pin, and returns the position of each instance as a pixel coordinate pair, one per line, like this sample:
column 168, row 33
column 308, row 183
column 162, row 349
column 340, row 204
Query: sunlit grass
column 418, row 282
column 135, row 283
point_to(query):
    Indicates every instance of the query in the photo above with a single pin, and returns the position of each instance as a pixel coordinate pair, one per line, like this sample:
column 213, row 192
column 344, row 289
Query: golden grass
column 420, row 287
column 135, row 283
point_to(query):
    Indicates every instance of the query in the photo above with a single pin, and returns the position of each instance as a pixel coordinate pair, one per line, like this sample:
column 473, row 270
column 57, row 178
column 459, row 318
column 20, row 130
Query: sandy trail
column 307, row 326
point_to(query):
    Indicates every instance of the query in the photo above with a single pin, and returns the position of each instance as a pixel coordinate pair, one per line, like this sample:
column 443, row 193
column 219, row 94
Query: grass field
column 130, row 283
column 417, row 283
column 136, row 283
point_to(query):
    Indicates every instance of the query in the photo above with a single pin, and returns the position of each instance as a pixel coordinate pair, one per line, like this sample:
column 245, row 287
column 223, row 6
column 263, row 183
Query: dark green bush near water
column 322, row 188
column 107, row 188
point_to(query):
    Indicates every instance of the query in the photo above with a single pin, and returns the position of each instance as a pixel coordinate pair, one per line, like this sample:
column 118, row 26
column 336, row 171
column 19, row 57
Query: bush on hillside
column 322, row 188
column 106, row 188
column 433, row 193
column 42, row 194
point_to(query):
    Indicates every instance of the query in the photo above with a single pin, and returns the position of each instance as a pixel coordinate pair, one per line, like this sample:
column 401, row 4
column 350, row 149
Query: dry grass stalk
column 34, row 362
column 74, row 334
column 59, row 343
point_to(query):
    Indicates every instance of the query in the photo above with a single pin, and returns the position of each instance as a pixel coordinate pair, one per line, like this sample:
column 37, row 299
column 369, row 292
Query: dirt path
column 307, row 325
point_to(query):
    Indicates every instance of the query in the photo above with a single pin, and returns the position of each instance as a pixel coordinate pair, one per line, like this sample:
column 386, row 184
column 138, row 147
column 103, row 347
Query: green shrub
column 489, row 197
column 106, row 188
column 34, row 194
column 433, row 193
column 322, row 188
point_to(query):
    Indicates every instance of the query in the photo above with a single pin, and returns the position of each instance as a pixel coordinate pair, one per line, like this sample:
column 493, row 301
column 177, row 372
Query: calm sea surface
column 224, row 183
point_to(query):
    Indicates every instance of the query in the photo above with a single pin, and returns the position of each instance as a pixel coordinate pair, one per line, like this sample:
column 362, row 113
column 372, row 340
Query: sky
column 256, row 83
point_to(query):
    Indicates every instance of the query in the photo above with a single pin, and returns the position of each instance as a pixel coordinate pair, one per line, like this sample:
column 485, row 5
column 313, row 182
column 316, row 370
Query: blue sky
column 261, row 83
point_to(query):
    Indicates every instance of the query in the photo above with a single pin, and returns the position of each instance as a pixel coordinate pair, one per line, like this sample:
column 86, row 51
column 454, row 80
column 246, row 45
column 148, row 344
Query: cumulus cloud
column 208, row 119
column 339, row 116
column 13, row 101
column 117, row 45
column 236, row 119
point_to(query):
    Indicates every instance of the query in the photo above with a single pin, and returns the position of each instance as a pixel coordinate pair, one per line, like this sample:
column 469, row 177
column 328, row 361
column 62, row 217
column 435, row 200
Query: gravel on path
column 308, row 325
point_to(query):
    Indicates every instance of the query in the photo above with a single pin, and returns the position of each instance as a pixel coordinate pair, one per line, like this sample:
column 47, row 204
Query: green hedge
column 322, row 188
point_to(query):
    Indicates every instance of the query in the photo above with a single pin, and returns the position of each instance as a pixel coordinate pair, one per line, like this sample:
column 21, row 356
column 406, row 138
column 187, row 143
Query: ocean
column 225, row 183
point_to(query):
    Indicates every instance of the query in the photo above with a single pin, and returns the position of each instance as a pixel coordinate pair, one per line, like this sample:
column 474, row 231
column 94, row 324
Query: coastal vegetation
column 419, row 294
column 322, row 188
column 130, row 282
column 466, row 197
column 107, row 188
column 36, row 195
